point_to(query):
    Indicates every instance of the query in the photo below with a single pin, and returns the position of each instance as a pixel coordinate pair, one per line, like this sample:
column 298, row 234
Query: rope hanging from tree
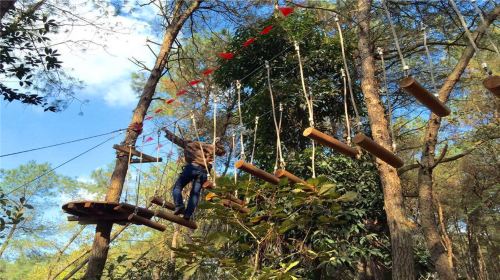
column 429, row 59
column 346, row 69
column 254, row 139
column 277, row 143
column 406, row 68
column 278, row 140
column 233, row 137
column 388, row 100
column 480, row 13
column 214, row 141
column 308, row 103
column 242, row 147
column 469, row 35
column 346, row 113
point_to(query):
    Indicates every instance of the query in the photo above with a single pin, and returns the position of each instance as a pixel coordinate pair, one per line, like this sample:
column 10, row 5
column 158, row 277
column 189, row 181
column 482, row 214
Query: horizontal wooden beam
column 247, row 167
column 136, row 219
column 492, row 83
column 282, row 173
column 145, row 158
column 161, row 214
column 411, row 86
column 377, row 150
column 327, row 140
column 161, row 202
column 233, row 205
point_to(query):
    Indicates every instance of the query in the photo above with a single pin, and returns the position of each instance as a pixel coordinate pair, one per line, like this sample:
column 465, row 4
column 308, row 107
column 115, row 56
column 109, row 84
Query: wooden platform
column 93, row 212
column 136, row 155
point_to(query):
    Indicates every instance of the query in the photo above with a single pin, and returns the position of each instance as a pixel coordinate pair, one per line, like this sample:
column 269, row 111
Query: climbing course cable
column 62, row 164
column 233, row 136
column 387, row 98
column 254, row 139
column 480, row 13
column 63, row 143
column 406, row 68
column 280, row 155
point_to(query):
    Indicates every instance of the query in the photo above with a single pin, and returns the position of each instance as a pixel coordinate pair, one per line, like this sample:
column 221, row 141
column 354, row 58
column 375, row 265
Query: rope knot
column 296, row 45
column 267, row 64
column 238, row 84
column 380, row 51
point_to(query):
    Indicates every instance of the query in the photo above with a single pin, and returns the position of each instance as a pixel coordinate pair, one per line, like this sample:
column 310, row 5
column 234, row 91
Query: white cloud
column 100, row 57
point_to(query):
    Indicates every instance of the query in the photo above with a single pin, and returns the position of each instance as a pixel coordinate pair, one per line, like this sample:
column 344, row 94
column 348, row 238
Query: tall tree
column 181, row 12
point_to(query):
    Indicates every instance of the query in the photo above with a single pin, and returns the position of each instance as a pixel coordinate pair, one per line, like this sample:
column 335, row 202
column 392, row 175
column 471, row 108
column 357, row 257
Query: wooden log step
column 233, row 205
column 160, row 214
column 161, row 202
column 117, row 219
column 411, row 86
column 136, row 219
column 282, row 173
column 133, row 151
column 257, row 172
column 327, row 140
column 234, row 199
column 377, row 150
column 492, row 83
column 141, row 211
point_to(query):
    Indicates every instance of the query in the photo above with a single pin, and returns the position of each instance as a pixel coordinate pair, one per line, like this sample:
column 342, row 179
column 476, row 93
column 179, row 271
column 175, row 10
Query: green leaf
column 326, row 188
column 348, row 197
column 292, row 265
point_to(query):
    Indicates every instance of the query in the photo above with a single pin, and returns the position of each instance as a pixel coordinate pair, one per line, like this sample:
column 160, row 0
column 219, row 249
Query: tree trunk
column 7, row 239
column 473, row 228
column 100, row 246
column 399, row 225
column 428, row 163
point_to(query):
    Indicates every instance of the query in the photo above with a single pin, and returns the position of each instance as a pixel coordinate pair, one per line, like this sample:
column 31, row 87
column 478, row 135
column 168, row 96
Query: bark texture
column 439, row 254
column 400, row 227
column 100, row 246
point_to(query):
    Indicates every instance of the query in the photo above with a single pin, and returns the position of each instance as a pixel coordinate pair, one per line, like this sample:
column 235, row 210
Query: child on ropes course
column 199, row 158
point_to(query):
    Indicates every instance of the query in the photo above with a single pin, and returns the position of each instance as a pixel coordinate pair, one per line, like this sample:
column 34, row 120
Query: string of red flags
column 225, row 56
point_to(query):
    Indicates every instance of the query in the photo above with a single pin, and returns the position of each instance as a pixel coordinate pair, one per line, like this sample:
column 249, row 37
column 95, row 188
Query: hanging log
column 411, row 86
column 257, row 172
column 136, row 219
column 329, row 141
column 161, row 202
column 160, row 214
column 375, row 149
column 234, row 199
column 208, row 185
column 281, row 173
column 492, row 83
column 235, row 206
column 134, row 152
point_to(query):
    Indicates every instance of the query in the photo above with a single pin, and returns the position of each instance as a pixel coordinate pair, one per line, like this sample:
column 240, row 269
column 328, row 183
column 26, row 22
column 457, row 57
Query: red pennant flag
column 148, row 118
column 266, row 30
column 195, row 82
column 227, row 55
column 149, row 139
column 208, row 72
column 248, row 42
column 286, row 10
column 181, row 92
column 170, row 101
column 158, row 111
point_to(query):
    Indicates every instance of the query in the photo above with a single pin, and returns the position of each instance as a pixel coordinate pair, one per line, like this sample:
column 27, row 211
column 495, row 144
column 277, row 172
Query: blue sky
column 105, row 69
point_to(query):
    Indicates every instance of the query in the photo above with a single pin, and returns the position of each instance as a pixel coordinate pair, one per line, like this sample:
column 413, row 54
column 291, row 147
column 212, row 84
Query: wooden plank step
column 492, row 83
column 160, row 214
column 145, row 158
column 161, row 202
column 282, row 173
column 327, row 140
column 411, row 86
column 247, row 167
column 377, row 150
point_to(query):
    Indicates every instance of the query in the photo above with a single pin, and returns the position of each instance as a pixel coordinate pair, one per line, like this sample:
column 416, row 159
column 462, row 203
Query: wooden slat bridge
column 93, row 212
column 137, row 155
